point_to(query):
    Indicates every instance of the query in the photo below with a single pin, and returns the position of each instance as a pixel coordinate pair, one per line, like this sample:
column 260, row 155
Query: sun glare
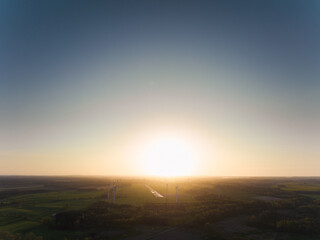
column 168, row 156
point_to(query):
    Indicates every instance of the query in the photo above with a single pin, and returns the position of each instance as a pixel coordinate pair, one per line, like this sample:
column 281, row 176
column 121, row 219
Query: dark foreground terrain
column 207, row 208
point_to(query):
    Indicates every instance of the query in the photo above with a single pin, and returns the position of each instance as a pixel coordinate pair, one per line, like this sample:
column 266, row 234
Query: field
column 297, row 186
column 248, row 208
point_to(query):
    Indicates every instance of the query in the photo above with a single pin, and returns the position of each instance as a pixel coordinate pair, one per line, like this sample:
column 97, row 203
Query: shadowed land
column 78, row 207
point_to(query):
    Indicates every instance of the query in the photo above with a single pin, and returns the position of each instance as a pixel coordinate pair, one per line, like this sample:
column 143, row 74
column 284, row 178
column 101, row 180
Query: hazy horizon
column 163, row 177
column 160, row 88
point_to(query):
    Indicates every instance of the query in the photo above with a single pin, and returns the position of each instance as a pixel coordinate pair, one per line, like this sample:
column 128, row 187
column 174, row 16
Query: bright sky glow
column 168, row 156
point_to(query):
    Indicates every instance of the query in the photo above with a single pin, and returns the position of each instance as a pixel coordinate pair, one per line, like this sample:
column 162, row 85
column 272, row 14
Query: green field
column 308, row 189
column 293, row 186
column 28, row 212
column 26, row 209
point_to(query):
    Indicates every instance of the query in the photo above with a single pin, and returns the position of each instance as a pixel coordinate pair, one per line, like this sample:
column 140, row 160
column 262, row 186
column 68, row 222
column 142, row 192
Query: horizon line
column 148, row 176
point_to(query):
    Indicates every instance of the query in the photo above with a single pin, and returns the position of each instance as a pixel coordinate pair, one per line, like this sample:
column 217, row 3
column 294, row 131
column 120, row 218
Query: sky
column 85, row 86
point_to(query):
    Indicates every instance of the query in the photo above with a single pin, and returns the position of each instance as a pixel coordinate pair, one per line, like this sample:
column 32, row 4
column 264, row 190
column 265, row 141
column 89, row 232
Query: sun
column 168, row 156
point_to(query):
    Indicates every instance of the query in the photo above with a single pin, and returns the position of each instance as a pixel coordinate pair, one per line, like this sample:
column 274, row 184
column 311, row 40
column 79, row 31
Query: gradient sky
column 81, row 82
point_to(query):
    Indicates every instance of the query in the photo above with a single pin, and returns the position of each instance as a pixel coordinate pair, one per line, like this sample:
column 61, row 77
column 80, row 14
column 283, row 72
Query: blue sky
column 243, row 74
